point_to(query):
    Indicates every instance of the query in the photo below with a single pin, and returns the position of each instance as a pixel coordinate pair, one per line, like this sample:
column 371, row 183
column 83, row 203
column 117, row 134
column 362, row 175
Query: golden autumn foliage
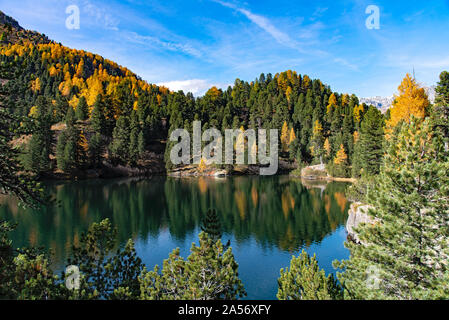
column 284, row 136
column 214, row 93
column 327, row 147
column 332, row 102
column 317, row 128
column 357, row 112
column 356, row 136
column 202, row 165
column 292, row 136
column 91, row 74
column 341, row 156
column 36, row 85
column 412, row 100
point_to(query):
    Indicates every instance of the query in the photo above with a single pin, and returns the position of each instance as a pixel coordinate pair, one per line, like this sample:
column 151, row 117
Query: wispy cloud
column 168, row 45
column 262, row 22
column 100, row 15
column 346, row 64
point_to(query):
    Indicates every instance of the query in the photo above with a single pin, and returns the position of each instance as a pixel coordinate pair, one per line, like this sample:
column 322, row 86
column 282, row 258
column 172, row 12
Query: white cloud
column 196, row 86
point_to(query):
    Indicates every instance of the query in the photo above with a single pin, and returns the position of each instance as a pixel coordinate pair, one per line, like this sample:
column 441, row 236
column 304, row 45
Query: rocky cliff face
column 357, row 214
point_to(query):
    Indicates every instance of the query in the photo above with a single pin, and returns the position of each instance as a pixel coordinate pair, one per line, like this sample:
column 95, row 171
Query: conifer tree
column 141, row 145
column 306, row 281
column 82, row 109
column 404, row 253
column 368, row 152
column 97, row 119
column 440, row 111
column 95, row 150
column 209, row 273
column 39, row 148
column 120, row 140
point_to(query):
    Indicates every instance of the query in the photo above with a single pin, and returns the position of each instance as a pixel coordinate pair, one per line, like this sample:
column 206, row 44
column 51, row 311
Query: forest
column 79, row 110
column 69, row 111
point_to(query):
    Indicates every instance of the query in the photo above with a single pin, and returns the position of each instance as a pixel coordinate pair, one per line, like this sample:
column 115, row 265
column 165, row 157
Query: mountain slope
column 12, row 33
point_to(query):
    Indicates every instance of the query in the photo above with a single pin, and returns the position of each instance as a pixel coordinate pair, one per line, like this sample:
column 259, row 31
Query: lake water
column 267, row 220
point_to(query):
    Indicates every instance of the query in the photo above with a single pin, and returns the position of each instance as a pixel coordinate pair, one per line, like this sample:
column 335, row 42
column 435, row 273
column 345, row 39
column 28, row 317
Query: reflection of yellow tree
column 33, row 237
column 202, row 185
column 241, row 203
column 287, row 202
column 341, row 200
column 254, row 195
column 288, row 241
column 327, row 204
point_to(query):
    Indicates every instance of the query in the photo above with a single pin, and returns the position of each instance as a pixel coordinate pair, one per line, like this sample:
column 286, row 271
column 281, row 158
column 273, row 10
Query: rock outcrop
column 358, row 213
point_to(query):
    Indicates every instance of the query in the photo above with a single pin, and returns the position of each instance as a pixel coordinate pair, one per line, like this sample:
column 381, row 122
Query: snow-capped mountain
column 384, row 103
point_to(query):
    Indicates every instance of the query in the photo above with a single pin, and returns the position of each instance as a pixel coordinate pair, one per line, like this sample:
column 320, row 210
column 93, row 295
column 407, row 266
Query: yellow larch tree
column 292, row 136
column 341, row 156
column 412, row 100
column 284, row 136
column 327, row 147
column 332, row 102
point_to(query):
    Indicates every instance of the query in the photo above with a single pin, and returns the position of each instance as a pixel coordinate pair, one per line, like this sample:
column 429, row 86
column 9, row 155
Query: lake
column 267, row 220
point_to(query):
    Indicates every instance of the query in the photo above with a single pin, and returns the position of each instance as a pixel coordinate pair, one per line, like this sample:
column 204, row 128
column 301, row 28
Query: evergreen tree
column 120, row 140
column 82, row 110
column 39, row 148
column 95, row 150
column 306, row 281
column 97, row 120
column 12, row 179
column 369, row 147
column 141, row 145
column 134, row 146
column 440, row 112
column 209, row 273
column 404, row 253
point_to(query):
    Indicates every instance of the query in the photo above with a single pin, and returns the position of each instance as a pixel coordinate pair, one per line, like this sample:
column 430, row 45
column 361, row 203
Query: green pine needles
column 406, row 250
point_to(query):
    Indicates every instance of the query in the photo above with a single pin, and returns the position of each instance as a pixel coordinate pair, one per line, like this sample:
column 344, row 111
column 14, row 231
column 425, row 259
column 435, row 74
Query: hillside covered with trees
column 83, row 111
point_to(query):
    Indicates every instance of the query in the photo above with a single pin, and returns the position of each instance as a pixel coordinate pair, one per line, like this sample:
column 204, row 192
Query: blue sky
column 192, row 45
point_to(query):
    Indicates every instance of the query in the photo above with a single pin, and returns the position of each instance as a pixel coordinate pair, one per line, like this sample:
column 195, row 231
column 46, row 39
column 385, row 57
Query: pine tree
column 440, row 111
column 12, row 179
column 95, row 150
column 120, row 140
column 70, row 116
column 97, row 119
column 306, row 281
column 141, row 145
column 39, row 148
column 404, row 253
column 368, row 153
column 209, row 273
column 134, row 146
column 82, row 110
